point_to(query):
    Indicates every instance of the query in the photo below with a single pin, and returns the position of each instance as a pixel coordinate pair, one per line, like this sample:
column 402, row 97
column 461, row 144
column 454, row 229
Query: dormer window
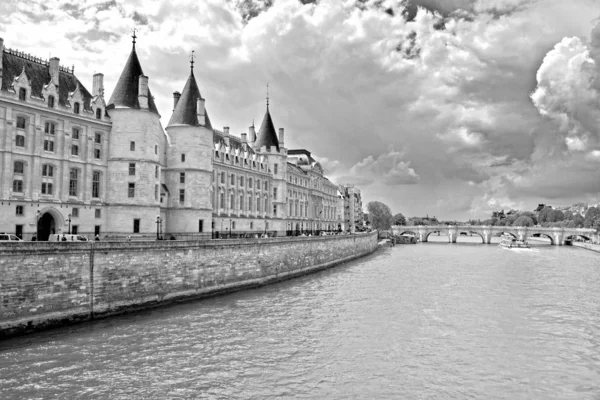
column 76, row 108
column 98, row 113
column 51, row 101
column 22, row 94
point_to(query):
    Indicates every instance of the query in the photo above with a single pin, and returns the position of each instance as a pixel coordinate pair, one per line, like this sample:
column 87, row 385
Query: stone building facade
column 74, row 162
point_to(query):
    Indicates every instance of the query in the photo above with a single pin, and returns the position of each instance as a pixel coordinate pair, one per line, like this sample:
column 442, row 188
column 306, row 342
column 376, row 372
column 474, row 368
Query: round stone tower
column 134, row 148
column 189, row 160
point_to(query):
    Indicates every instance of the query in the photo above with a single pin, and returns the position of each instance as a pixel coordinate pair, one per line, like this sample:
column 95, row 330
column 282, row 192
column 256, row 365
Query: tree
column 578, row 220
column 555, row 216
column 530, row 215
column 399, row 219
column 542, row 216
column 523, row 220
column 380, row 215
column 590, row 215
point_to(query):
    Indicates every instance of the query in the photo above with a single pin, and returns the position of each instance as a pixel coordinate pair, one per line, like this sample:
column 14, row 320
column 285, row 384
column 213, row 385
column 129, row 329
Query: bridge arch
column 459, row 232
column 428, row 233
column 575, row 236
column 552, row 241
column 508, row 233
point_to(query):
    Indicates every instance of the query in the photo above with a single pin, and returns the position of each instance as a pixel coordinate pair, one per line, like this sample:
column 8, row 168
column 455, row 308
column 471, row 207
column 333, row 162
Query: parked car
column 58, row 237
column 7, row 237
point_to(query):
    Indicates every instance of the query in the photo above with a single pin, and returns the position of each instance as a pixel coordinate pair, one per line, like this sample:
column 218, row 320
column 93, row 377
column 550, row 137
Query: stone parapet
column 52, row 284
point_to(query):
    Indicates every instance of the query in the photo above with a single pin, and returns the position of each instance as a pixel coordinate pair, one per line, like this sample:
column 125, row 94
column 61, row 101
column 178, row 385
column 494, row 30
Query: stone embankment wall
column 48, row 284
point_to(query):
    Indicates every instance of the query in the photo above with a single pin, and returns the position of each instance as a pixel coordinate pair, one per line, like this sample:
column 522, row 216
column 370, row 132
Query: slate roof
column 185, row 110
column 39, row 75
column 266, row 134
column 126, row 91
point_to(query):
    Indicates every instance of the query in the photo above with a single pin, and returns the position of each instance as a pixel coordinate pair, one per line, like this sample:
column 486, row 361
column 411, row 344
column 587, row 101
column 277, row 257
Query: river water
column 425, row 321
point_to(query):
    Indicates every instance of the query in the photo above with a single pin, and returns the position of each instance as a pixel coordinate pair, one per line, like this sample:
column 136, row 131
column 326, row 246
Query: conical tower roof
column 185, row 110
column 266, row 134
column 126, row 91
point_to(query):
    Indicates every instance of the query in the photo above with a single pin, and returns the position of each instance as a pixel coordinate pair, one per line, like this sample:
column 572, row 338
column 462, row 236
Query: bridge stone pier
column 557, row 236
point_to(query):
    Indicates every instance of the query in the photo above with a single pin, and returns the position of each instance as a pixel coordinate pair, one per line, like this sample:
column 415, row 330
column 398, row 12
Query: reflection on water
column 433, row 320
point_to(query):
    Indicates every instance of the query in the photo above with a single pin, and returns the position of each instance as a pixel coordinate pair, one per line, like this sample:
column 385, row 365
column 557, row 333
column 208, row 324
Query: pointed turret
column 266, row 134
column 190, row 109
column 127, row 91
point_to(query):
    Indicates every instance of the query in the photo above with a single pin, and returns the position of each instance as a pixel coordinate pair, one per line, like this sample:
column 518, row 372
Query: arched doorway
column 46, row 227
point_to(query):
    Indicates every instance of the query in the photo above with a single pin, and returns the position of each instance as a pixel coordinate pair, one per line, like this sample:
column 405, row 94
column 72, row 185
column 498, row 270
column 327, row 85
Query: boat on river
column 510, row 242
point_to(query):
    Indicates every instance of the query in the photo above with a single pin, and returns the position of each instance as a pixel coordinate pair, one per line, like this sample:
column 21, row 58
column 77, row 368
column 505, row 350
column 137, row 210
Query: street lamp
column 158, row 221
column 37, row 224
column 69, row 221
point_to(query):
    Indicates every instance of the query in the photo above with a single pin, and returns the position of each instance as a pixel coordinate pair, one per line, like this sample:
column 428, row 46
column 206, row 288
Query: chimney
column 143, row 92
column 200, row 111
column 98, row 85
column 226, row 131
column 54, row 63
column 252, row 135
column 176, row 97
column 281, row 137
column 244, row 138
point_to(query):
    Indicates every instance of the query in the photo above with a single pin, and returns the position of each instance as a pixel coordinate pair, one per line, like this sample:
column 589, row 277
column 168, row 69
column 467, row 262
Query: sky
column 446, row 108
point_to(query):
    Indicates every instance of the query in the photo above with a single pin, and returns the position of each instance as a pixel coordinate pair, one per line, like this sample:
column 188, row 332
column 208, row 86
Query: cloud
column 388, row 168
column 489, row 100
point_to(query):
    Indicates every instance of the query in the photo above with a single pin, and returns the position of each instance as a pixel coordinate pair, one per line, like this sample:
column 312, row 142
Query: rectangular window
column 49, row 145
column 98, row 113
column 97, row 153
column 75, row 212
column 222, row 177
column 156, row 172
column 274, row 194
column 182, row 177
column 258, row 184
column 274, row 210
column 74, row 150
column 200, row 225
column 155, row 149
column 232, row 225
column 19, row 167
column 73, row 178
column 75, row 133
column 46, row 188
column 20, row 142
column 19, row 210
column 18, row 186
column 132, row 146
column 136, row 225
column 131, row 169
column 76, row 108
column 155, row 192
column 241, row 181
column 232, row 179
column 242, row 203
column 251, row 225
column 22, row 94
column 232, row 201
column 51, row 101
column 181, row 196
column 131, row 190
column 49, row 128
column 98, row 213
column 249, row 183
column 266, row 187
column 183, row 158
column 221, row 200
column 96, row 184
column 98, row 138
column 20, row 122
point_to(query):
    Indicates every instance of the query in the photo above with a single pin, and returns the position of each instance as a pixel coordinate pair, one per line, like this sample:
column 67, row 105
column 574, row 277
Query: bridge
column 557, row 236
